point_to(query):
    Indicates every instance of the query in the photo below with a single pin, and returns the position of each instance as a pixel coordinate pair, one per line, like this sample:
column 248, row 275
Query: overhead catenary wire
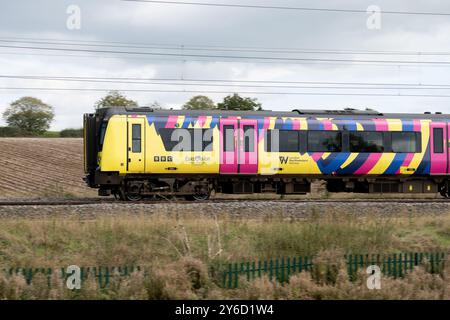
column 228, row 92
column 113, row 44
column 172, row 59
column 187, row 55
column 236, row 83
column 419, row 54
column 286, row 8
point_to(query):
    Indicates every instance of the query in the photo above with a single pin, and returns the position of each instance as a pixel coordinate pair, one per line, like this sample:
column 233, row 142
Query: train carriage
column 139, row 152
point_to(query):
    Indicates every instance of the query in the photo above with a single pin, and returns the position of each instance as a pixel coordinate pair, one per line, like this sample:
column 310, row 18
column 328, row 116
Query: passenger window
column 289, row 141
column 282, row 141
column 365, row 141
column 406, row 142
column 438, row 138
column 324, row 141
column 228, row 138
column 186, row 140
column 249, row 138
column 136, row 138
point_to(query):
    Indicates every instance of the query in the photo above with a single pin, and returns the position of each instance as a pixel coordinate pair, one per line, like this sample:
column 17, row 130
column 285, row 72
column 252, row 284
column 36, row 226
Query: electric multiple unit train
column 136, row 153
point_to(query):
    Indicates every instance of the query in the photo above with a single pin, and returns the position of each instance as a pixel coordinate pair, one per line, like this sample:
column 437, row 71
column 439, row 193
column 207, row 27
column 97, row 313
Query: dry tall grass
column 178, row 252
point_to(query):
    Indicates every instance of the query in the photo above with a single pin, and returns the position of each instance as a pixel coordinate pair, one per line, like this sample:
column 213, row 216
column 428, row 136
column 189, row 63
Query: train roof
column 106, row 113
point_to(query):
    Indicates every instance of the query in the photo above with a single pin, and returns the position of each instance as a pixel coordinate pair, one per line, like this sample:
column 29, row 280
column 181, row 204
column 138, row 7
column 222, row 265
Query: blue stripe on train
column 332, row 163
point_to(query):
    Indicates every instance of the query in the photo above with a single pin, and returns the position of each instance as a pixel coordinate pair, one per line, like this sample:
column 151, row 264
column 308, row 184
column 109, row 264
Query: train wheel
column 129, row 196
column 199, row 196
column 445, row 191
column 133, row 197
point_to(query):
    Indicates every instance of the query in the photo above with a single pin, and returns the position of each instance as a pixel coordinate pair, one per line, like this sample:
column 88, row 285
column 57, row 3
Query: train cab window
column 365, row 141
column 438, row 140
column 136, row 138
column 282, row 141
column 102, row 134
column 406, row 142
column 249, row 138
column 324, row 141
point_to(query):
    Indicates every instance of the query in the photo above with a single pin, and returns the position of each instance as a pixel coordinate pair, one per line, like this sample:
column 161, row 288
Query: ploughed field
column 42, row 168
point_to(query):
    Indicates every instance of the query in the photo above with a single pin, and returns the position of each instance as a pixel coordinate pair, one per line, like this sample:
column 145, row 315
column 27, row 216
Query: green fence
column 280, row 269
column 392, row 265
column 102, row 275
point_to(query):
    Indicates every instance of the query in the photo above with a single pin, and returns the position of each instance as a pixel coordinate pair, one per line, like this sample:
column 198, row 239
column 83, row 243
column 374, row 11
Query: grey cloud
column 107, row 20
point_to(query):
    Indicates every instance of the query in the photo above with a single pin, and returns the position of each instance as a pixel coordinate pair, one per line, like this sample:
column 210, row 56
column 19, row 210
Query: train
column 142, row 153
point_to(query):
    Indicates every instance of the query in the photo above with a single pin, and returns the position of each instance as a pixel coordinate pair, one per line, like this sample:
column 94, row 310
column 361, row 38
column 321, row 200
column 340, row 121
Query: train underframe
column 138, row 187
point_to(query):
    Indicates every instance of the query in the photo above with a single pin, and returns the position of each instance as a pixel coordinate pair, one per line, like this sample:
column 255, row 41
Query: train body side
column 139, row 146
column 154, row 158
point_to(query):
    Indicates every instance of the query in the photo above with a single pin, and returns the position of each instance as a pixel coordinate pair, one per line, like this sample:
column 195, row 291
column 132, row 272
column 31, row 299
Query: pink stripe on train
column 381, row 124
column 368, row 165
column 171, row 121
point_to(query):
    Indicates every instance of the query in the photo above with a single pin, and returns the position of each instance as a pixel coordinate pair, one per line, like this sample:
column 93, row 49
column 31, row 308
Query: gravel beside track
column 231, row 208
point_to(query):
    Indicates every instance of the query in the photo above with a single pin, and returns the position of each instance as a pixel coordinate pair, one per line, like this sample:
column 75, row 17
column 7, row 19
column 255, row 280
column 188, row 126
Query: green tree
column 115, row 99
column 30, row 115
column 199, row 103
column 71, row 133
column 236, row 102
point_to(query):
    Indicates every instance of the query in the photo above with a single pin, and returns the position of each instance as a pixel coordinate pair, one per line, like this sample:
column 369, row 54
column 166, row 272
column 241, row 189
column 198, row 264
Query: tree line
column 30, row 116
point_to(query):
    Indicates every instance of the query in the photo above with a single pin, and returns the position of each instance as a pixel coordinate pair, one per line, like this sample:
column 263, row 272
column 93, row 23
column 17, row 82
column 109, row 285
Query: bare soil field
column 42, row 168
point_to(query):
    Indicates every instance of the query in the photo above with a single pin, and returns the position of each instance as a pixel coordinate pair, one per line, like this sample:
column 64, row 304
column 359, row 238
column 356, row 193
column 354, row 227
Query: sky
column 290, row 53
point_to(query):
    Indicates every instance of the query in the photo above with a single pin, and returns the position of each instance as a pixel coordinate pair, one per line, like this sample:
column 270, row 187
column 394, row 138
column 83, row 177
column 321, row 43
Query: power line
column 229, row 56
column 229, row 92
column 287, row 8
column 238, row 48
column 229, row 83
column 227, row 48
column 381, row 65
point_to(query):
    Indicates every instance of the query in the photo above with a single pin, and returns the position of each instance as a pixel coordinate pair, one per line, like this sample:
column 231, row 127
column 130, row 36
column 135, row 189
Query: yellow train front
column 134, row 153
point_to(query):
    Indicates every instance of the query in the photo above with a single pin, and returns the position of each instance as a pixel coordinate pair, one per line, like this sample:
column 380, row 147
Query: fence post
column 248, row 271
column 253, row 269
column 389, row 265
column 270, row 269
column 405, row 263
column 294, row 264
column 236, row 275
column 432, row 261
column 412, row 258
column 265, row 267
column 288, row 268
column 259, row 268
column 277, row 270
column 349, row 266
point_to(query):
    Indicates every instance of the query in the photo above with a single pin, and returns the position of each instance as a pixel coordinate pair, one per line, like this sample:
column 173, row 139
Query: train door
column 248, row 148
column 439, row 148
column 238, row 145
column 135, row 145
column 448, row 147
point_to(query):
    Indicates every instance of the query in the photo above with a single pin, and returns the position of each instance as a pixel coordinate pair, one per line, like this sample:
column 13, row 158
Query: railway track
column 221, row 201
